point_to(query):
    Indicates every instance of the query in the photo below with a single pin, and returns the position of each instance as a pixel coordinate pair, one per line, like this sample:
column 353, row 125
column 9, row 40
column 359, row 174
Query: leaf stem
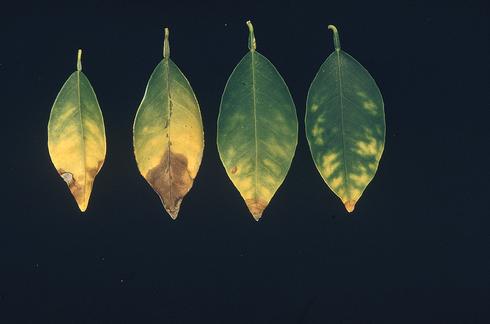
column 336, row 39
column 166, row 45
column 79, row 60
column 252, row 44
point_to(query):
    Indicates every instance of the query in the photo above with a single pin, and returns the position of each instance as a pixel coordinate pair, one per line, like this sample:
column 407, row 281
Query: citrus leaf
column 345, row 125
column 76, row 135
column 168, row 134
column 257, row 129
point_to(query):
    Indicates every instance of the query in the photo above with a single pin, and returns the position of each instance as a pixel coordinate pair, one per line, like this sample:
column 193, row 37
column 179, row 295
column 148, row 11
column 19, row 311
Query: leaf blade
column 76, row 136
column 257, row 131
column 168, row 134
column 345, row 125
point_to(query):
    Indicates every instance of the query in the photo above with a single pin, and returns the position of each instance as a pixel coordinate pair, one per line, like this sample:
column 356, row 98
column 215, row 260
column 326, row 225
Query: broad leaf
column 257, row 129
column 345, row 125
column 76, row 135
column 168, row 133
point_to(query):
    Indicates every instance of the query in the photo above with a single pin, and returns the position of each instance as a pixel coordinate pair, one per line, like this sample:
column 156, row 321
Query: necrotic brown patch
column 75, row 187
column 171, row 180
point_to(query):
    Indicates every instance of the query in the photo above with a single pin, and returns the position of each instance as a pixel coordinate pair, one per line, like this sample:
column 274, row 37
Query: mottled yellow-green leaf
column 76, row 135
column 345, row 125
column 168, row 134
column 257, row 129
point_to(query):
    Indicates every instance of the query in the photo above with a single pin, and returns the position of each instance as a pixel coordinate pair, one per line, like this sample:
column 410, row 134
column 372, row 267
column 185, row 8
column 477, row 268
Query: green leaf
column 257, row 129
column 345, row 125
column 168, row 134
column 76, row 135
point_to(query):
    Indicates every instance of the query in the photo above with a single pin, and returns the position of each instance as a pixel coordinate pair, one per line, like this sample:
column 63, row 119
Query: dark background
column 416, row 249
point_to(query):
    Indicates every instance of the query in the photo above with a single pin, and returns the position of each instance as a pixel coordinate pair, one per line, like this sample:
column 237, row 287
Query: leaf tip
column 171, row 206
column 173, row 212
column 82, row 203
column 256, row 208
column 77, row 191
column 350, row 205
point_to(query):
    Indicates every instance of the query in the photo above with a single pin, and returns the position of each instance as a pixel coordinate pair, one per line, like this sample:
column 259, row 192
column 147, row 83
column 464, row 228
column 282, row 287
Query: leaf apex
column 82, row 205
column 173, row 213
column 350, row 205
column 256, row 208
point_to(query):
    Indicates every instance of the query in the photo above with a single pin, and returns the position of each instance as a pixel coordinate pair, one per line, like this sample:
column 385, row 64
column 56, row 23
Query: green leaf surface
column 345, row 125
column 168, row 134
column 257, row 129
column 76, row 135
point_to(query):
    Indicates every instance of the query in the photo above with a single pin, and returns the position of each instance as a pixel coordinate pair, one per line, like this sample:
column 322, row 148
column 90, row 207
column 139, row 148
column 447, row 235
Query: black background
column 416, row 249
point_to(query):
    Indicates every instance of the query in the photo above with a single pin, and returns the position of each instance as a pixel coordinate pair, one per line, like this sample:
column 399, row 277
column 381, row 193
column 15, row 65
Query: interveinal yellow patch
column 245, row 185
column 273, row 167
column 368, row 147
column 337, row 182
column 370, row 106
column 361, row 94
column 231, row 153
column 360, row 179
column 76, row 136
column 317, row 132
column 373, row 166
column 329, row 164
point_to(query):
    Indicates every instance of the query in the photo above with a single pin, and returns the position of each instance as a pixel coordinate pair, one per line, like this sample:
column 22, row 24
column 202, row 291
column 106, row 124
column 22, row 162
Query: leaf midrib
column 339, row 72
column 255, row 125
column 83, row 137
column 169, row 115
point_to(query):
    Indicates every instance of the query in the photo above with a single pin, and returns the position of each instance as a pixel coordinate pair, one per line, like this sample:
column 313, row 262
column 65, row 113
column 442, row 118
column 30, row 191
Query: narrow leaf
column 76, row 135
column 345, row 124
column 257, row 129
column 168, row 134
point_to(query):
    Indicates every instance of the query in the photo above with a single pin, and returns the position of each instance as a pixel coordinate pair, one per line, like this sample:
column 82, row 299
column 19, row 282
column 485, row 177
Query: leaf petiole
column 252, row 44
column 336, row 39
column 166, row 45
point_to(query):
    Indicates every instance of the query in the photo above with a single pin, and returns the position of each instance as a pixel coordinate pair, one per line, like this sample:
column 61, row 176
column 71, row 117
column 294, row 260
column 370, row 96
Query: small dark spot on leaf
column 234, row 170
